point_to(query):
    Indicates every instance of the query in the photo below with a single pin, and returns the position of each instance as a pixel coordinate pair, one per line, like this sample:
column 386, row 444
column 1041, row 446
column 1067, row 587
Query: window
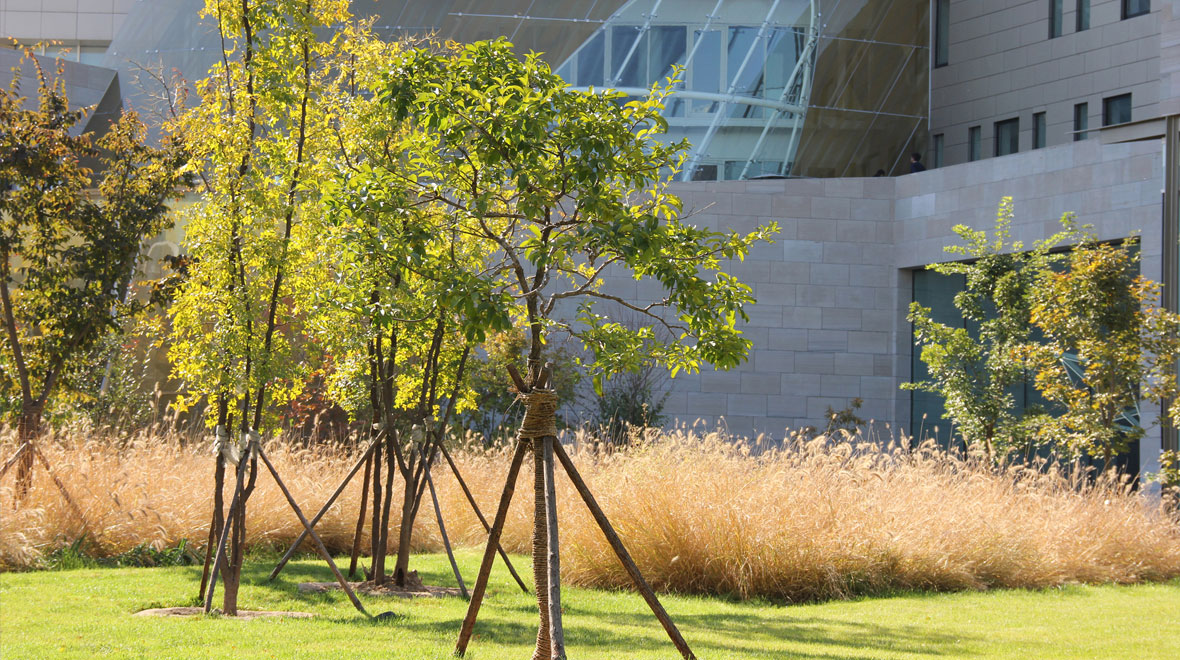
column 1083, row 15
column 974, row 143
column 1038, row 140
column 640, row 57
column 942, row 28
column 1007, row 136
column 1116, row 110
column 1056, row 17
column 938, row 140
column 1081, row 121
column 1133, row 8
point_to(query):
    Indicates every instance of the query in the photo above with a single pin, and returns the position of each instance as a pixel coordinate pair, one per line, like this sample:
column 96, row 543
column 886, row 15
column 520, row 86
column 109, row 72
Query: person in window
column 916, row 163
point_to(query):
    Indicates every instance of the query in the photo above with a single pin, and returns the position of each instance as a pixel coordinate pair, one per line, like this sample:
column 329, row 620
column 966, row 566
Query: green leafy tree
column 254, row 138
column 561, row 185
column 973, row 370
column 1108, row 346
column 383, row 282
column 70, row 241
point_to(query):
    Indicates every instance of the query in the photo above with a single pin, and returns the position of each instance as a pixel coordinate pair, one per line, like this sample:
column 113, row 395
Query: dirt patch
column 414, row 588
column 242, row 614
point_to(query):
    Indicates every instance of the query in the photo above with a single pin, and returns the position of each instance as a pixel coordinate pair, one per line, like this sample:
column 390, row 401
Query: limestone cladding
column 829, row 325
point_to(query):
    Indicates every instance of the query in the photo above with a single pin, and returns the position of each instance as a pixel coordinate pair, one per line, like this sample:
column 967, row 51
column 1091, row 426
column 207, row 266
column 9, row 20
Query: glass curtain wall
column 746, row 68
column 869, row 104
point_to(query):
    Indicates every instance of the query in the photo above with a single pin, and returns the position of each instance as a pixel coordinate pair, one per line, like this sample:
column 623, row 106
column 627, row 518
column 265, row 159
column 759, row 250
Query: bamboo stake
column 489, row 554
column 623, row 555
column 323, row 510
column 442, row 529
column 479, row 514
column 314, row 537
column 556, row 633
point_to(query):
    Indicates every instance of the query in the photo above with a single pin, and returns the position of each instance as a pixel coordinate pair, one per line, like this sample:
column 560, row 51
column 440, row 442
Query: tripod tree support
column 624, row 557
column 27, row 447
column 489, row 554
column 360, row 521
column 314, row 537
column 324, row 509
column 442, row 529
column 479, row 514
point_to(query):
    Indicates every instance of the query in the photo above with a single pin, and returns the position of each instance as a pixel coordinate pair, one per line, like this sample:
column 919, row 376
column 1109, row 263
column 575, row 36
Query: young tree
column 254, row 137
column 973, row 370
column 70, row 240
column 561, row 185
column 1108, row 346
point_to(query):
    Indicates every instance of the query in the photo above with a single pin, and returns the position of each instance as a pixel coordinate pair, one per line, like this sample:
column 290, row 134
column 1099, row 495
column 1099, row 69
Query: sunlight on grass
column 87, row 614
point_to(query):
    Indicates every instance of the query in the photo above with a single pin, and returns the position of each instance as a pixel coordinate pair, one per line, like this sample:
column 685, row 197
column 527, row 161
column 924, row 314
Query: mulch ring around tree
column 245, row 615
column 414, row 588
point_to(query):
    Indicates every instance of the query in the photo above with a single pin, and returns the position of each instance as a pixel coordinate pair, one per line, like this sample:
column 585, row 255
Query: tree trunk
column 390, row 471
column 405, row 532
column 217, row 521
column 377, row 565
column 28, row 428
column 540, row 550
column 232, row 574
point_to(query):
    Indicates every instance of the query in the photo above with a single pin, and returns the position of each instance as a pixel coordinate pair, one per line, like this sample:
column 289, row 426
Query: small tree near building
column 563, row 185
column 974, row 370
column 70, row 241
column 1108, row 346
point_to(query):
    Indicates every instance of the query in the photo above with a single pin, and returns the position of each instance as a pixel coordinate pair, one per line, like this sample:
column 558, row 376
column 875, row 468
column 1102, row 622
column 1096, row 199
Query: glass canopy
column 770, row 87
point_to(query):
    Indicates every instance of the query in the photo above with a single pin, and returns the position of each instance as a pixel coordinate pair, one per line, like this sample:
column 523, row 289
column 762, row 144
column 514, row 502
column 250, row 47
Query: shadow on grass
column 507, row 619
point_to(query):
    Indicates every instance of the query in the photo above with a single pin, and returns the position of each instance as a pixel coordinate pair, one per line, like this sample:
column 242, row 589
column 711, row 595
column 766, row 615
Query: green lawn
column 87, row 614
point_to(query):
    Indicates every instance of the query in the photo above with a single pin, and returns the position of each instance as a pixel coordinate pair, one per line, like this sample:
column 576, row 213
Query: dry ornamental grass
column 700, row 513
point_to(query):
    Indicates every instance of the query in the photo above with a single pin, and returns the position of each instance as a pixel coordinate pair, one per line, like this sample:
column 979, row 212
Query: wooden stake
column 623, row 555
column 489, row 554
column 360, row 520
column 323, row 510
column 556, row 633
column 479, row 514
column 514, row 374
column 60, row 486
column 12, row 461
column 446, row 541
column 314, row 537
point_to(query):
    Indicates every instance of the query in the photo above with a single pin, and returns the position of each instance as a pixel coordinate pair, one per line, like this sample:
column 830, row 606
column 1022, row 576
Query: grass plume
column 700, row 513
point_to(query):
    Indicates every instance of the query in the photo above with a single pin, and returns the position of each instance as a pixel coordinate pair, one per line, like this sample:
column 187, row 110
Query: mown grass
column 87, row 614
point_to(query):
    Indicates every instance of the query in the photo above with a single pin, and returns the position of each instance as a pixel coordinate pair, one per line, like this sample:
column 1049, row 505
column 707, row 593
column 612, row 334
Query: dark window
column 1007, row 137
column 1083, row 15
column 1081, row 121
column 1132, row 8
column 1038, row 140
column 942, row 28
column 1116, row 110
column 1056, row 17
column 938, row 150
column 974, row 143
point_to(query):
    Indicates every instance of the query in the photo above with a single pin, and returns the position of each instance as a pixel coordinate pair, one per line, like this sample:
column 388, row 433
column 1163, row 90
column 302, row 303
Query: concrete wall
column 1003, row 65
column 94, row 21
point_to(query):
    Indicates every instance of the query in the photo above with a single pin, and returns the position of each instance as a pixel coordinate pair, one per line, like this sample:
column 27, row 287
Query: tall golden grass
column 700, row 513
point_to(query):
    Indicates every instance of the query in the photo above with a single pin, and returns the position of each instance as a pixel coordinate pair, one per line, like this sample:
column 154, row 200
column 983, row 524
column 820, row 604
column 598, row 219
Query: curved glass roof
column 770, row 87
